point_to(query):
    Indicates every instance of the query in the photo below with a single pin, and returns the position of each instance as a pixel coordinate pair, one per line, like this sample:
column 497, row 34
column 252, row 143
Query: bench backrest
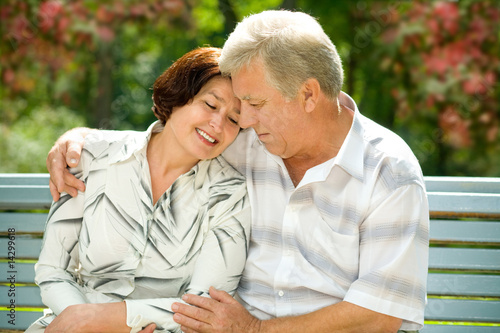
column 464, row 264
column 24, row 203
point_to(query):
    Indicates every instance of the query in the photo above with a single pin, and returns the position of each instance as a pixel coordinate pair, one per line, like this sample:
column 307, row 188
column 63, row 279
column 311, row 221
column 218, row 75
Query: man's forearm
column 340, row 317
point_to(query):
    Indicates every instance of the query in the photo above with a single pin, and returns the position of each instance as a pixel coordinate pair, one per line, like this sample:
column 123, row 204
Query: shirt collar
column 351, row 154
column 135, row 144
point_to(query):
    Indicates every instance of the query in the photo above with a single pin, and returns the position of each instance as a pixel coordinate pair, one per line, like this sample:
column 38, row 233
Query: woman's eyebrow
column 220, row 99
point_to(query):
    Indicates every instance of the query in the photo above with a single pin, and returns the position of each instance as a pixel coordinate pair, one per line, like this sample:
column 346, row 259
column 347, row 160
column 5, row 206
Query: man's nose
column 248, row 116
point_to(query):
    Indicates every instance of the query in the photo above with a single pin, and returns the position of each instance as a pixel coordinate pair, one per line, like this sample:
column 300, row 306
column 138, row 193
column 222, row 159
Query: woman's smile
column 206, row 136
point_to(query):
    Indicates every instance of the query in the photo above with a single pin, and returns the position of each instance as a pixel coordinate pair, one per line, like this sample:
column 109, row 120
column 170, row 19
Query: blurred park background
column 427, row 70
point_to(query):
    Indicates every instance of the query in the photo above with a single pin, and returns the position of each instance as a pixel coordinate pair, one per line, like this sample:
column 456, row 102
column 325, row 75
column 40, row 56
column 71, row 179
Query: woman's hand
column 108, row 317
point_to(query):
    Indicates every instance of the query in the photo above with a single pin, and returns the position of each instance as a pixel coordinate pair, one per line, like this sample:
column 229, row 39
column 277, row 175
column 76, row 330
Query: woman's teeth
column 205, row 135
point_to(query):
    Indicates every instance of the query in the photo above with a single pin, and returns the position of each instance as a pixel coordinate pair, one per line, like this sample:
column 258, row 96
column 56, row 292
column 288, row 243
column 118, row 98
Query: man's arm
column 66, row 152
column 223, row 313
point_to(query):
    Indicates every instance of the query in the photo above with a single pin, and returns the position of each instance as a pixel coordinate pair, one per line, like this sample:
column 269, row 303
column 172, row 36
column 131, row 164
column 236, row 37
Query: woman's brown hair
column 178, row 85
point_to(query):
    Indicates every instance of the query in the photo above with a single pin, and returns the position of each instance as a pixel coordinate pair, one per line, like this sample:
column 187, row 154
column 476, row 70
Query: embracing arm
column 66, row 152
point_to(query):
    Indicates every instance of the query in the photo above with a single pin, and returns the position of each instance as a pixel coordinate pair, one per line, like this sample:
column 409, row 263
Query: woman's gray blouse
column 111, row 243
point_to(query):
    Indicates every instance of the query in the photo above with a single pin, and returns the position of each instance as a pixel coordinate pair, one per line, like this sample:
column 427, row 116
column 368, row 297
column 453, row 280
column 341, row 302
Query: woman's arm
column 56, row 269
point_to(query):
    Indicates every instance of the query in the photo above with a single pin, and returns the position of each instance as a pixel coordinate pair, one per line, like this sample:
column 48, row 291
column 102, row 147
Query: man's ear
column 310, row 92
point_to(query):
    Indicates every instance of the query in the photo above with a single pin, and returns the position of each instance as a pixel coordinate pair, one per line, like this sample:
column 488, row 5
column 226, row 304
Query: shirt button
column 281, row 293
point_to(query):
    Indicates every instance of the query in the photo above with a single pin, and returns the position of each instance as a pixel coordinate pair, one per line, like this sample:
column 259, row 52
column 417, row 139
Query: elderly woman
column 162, row 214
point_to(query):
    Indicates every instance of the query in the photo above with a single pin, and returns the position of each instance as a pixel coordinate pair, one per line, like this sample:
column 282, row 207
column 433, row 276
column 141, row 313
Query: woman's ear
column 310, row 92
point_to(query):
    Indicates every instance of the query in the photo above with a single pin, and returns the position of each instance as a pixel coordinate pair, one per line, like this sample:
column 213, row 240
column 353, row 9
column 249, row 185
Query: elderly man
column 339, row 237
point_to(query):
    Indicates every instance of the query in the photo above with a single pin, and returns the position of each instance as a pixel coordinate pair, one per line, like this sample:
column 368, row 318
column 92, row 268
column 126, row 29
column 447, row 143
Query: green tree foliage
column 429, row 71
column 443, row 62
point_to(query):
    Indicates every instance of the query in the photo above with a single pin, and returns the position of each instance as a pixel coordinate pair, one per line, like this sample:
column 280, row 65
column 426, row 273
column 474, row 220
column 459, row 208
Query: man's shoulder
column 392, row 156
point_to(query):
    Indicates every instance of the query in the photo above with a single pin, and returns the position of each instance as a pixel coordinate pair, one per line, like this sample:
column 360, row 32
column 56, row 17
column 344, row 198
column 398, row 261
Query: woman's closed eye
column 233, row 120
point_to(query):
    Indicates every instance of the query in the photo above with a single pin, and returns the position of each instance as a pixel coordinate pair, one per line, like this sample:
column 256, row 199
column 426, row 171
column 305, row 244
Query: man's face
column 276, row 121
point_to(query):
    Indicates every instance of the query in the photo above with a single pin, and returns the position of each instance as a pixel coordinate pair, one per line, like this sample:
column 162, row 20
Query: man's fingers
column 56, row 165
column 194, row 312
column 72, row 184
column 200, row 301
column 221, row 296
column 190, row 325
column 188, row 330
column 67, row 183
column 73, row 153
column 53, row 191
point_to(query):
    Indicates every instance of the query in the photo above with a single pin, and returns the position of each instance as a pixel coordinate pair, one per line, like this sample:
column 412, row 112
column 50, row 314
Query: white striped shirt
column 354, row 229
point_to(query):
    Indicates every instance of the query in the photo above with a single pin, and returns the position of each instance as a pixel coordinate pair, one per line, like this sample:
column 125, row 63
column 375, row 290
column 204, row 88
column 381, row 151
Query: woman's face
column 207, row 125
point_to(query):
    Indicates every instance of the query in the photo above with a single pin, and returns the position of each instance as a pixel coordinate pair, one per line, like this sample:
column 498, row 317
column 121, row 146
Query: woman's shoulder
column 221, row 170
column 106, row 143
column 220, row 176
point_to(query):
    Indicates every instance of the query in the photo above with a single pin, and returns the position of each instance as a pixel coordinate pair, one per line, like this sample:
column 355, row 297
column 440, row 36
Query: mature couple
column 156, row 236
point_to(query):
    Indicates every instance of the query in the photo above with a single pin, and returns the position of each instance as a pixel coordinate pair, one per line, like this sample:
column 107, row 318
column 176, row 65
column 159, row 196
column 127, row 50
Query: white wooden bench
column 464, row 264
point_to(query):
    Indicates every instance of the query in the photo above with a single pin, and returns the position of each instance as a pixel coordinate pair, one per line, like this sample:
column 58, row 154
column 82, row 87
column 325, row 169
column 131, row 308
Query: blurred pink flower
column 455, row 128
column 105, row 33
column 47, row 14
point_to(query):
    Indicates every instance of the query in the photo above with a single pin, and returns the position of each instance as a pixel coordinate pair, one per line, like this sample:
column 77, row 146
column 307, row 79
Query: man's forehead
column 247, row 84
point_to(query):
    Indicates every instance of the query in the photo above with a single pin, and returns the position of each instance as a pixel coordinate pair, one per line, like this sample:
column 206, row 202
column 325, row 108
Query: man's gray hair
column 292, row 47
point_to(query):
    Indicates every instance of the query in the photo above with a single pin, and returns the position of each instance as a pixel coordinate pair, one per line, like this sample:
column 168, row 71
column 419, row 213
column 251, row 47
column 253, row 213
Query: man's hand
column 222, row 313
column 66, row 152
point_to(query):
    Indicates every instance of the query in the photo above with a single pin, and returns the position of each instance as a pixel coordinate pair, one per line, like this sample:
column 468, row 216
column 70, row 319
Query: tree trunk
column 101, row 115
column 230, row 18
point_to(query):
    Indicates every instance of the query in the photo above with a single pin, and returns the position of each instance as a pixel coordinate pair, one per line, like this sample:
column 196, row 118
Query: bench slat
column 23, row 319
column 459, row 329
column 463, row 285
column 464, row 203
column 25, row 296
column 465, row 231
column 23, row 222
column 464, row 259
column 25, row 197
column 462, row 310
column 25, row 272
column 26, row 247
column 462, row 184
column 24, row 179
